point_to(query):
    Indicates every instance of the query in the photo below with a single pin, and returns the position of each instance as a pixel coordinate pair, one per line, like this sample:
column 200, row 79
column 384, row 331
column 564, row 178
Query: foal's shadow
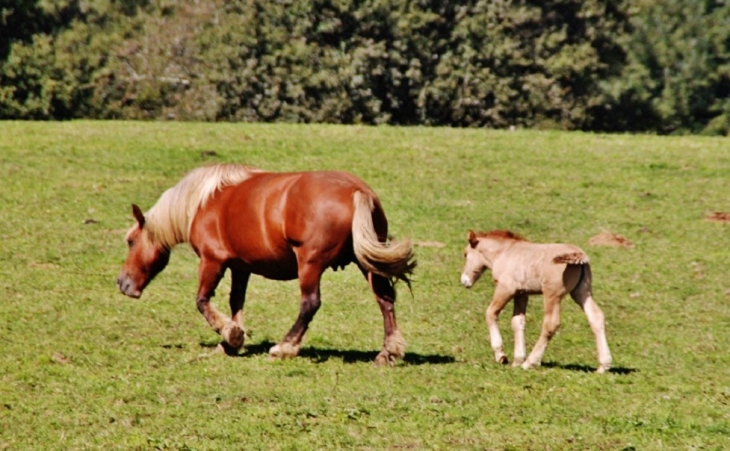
column 320, row 355
column 586, row 368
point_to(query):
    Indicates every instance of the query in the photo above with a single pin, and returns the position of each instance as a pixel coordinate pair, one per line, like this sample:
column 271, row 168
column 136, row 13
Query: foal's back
column 535, row 267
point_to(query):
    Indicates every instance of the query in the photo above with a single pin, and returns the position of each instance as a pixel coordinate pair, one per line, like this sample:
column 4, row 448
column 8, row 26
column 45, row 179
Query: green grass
column 83, row 367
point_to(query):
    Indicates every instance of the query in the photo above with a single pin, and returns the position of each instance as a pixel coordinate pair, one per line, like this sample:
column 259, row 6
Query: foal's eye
column 130, row 243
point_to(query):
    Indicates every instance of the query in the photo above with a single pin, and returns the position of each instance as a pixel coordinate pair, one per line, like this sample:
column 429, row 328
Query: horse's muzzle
column 127, row 287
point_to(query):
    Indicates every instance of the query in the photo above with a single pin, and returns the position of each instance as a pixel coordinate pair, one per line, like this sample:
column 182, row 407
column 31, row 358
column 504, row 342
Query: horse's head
column 145, row 258
column 474, row 262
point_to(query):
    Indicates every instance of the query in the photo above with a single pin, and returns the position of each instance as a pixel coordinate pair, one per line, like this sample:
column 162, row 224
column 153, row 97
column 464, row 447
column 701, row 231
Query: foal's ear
column 472, row 238
column 138, row 215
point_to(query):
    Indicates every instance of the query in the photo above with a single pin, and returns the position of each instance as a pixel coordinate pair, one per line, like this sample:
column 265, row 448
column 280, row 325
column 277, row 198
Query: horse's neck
column 168, row 226
column 497, row 249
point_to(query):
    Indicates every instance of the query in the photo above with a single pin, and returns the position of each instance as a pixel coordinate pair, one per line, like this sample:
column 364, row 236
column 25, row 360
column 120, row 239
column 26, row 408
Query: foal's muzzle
column 466, row 281
column 127, row 287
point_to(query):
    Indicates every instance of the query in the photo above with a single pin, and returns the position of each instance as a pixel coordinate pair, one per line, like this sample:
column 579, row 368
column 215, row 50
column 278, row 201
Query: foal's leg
column 210, row 273
column 309, row 277
column 499, row 300
column 394, row 346
column 518, row 327
column 582, row 296
column 550, row 325
column 233, row 332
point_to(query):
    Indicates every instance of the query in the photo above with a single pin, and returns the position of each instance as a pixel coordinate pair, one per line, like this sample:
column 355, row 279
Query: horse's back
column 270, row 217
column 533, row 265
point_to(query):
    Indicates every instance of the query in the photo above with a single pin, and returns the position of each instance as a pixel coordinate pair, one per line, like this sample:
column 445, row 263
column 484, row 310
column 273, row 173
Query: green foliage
column 83, row 367
column 527, row 63
column 617, row 65
column 386, row 61
column 677, row 76
column 430, row 62
column 57, row 74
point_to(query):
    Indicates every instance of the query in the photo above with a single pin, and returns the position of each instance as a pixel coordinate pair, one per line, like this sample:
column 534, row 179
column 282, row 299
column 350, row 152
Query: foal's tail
column 578, row 258
column 393, row 260
column 572, row 258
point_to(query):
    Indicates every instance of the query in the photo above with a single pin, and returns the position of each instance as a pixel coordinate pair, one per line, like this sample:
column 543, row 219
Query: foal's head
column 145, row 258
column 480, row 252
column 474, row 262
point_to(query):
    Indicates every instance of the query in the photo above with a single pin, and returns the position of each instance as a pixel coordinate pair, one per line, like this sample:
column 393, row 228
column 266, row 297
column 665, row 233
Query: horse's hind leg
column 583, row 297
column 309, row 277
column 550, row 325
column 394, row 346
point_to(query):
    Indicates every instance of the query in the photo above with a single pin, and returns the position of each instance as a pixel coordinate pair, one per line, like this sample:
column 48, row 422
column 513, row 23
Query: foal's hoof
column 384, row 358
column 283, row 350
column 603, row 369
column 503, row 360
column 233, row 335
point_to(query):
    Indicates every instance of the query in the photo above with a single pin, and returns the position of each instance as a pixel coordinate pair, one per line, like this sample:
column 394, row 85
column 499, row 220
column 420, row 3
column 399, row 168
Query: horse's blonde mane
column 168, row 221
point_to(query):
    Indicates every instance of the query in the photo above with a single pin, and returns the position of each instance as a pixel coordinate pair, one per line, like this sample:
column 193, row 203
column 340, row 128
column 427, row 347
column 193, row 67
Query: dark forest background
column 660, row 66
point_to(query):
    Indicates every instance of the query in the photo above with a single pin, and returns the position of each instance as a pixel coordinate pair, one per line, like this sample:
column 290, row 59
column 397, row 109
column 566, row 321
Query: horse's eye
column 130, row 243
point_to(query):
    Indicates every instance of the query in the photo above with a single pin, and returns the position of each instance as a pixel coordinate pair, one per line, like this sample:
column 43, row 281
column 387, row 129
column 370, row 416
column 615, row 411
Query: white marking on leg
column 597, row 322
column 518, row 327
column 284, row 350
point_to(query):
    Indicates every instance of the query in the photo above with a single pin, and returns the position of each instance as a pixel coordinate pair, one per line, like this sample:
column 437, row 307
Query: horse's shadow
column 320, row 355
column 586, row 368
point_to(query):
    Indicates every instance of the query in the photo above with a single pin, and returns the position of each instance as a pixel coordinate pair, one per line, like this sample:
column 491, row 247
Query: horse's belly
column 275, row 273
column 275, row 270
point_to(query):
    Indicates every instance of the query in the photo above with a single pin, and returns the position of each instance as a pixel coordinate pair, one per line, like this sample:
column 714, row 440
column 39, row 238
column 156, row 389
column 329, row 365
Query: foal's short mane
column 501, row 235
column 169, row 220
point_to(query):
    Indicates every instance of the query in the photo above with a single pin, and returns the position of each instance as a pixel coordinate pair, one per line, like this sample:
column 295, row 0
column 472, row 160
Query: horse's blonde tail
column 393, row 260
column 572, row 258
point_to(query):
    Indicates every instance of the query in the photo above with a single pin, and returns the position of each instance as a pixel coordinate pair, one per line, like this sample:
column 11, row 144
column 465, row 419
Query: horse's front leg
column 394, row 346
column 233, row 332
column 499, row 300
column 518, row 327
column 309, row 277
column 210, row 273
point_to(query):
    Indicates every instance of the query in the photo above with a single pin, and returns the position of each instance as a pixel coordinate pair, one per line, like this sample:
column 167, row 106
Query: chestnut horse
column 521, row 268
column 281, row 226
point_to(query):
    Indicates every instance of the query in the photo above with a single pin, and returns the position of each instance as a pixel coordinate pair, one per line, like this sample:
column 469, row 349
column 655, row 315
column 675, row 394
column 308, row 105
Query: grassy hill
column 83, row 367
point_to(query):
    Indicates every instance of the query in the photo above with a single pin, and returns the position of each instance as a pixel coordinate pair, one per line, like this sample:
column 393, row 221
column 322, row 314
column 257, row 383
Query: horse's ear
column 472, row 238
column 138, row 215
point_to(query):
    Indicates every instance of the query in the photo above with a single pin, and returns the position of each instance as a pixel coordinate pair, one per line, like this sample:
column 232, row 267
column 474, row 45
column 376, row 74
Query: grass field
column 83, row 367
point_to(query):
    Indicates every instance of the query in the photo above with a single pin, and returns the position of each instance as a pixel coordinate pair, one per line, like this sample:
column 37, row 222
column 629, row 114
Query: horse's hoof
column 225, row 348
column 602, row 369
column 503, row 360
column 233, row 335
column 283, row 350
column 395, row 346
column 518, row 362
